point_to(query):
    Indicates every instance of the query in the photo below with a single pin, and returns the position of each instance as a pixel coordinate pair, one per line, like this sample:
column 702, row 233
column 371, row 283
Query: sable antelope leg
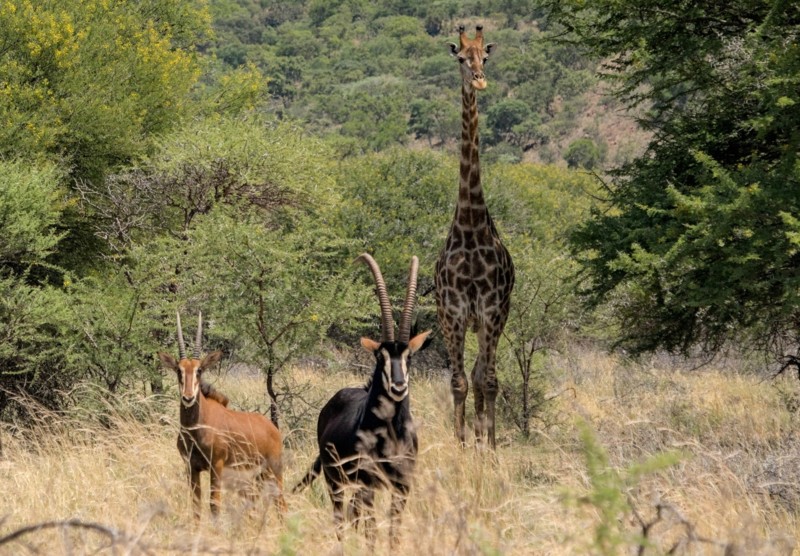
column 399, row 499
column 337, row 497
column 363, row 503
column 216, row 486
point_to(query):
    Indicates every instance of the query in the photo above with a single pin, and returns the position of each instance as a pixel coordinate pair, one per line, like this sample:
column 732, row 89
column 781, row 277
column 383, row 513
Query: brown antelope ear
column 167, row 361
column 370, row 345
column 211, row 359
column 419, row 342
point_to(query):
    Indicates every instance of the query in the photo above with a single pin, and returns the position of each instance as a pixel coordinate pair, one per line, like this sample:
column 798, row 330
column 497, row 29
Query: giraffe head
column 472, row 54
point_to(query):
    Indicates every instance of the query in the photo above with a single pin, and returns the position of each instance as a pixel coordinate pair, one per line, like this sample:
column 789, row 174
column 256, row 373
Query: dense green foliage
column 698, row 243
column 371, row 75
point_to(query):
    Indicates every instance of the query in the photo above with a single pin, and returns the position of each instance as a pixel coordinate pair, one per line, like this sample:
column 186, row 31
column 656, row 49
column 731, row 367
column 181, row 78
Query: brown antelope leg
column 270, row 474
column 216, row 486
column 194, row 485
column 276, row 466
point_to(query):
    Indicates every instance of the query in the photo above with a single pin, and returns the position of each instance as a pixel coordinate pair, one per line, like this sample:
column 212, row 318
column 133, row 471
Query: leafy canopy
column 697, row 243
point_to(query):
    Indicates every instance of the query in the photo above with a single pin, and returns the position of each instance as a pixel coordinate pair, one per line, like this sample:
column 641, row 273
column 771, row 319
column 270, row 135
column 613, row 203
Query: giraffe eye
column 461, row 59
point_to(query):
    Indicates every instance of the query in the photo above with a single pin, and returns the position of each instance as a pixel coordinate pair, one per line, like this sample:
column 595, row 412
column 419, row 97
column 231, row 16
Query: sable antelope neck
column 212, row 436
column 366, row 435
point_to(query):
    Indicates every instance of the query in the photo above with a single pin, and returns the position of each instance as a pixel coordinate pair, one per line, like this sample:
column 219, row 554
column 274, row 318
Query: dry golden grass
column 737, row 486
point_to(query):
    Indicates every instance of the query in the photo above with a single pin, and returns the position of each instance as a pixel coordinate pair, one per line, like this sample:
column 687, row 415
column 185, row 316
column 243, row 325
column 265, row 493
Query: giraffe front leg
column 488, row 337
column 479, row 392
column 458, row 379
column 449, row 312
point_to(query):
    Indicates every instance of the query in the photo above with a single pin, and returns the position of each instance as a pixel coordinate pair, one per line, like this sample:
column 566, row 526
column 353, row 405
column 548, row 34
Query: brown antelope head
column 472, row 54
column 189, row 371
column 394, row 356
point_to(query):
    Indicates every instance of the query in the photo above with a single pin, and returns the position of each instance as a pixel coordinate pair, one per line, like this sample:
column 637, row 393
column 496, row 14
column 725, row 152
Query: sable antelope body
column 366, row 435
column 213, row 437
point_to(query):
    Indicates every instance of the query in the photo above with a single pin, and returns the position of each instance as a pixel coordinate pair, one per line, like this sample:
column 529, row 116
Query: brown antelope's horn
column 387, row 324
column 181, row 345
column 198, row 340
column 408, row 307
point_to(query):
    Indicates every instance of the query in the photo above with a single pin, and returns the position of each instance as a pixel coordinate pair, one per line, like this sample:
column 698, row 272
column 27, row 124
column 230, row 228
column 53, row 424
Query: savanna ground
column 735, row 488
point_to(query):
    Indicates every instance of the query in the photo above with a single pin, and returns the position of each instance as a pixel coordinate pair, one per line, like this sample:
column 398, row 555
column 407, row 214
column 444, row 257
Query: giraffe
column 474, row 274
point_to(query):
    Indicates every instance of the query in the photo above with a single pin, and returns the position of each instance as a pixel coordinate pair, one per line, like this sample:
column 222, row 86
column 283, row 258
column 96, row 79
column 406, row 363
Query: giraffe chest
column 473, row 281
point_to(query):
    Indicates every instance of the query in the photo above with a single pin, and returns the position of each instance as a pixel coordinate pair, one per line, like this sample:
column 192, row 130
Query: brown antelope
column 213, row 437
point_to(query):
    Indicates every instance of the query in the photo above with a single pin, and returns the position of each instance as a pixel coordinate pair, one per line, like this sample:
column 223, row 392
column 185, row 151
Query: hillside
column 372, row 76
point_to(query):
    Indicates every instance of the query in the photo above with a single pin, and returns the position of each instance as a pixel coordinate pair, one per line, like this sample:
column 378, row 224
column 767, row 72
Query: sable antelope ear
column 370, row 345
column 419, row 342
column 453, row 48
column 211, row 359
column 168, row 362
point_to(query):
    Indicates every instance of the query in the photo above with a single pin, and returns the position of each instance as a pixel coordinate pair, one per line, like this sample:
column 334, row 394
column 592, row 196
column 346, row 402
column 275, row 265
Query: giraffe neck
column 471, row 208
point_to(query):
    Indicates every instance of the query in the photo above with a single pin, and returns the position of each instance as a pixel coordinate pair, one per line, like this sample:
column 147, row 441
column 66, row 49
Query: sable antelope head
column 189, row 371
column 472, row 54
column 393, row 356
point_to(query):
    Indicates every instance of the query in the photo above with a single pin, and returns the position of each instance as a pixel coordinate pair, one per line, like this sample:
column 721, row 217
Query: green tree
column 697, row 243
column 503, row 116
column 583, row 153
column 31, row 206
column 536, row 206
column 91, row 81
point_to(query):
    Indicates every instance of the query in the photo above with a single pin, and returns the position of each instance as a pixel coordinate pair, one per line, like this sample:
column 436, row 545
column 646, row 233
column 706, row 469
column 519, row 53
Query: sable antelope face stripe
column 395, row 375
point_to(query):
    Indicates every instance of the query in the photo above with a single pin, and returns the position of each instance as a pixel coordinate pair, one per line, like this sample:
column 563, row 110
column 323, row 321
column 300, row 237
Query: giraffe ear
column 489, row 47
column 453, row 48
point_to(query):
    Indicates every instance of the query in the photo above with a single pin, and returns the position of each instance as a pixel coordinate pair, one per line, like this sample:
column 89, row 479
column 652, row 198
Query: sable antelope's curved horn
column 181, row 345
column 408, row 307
column 198, row 340
column 387, row 324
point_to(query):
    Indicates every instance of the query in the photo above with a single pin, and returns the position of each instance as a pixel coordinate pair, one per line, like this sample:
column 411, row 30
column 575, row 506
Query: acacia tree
column 697, row 243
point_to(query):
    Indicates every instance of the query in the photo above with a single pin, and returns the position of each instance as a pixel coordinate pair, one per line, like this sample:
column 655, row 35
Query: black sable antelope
column 366, row 435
